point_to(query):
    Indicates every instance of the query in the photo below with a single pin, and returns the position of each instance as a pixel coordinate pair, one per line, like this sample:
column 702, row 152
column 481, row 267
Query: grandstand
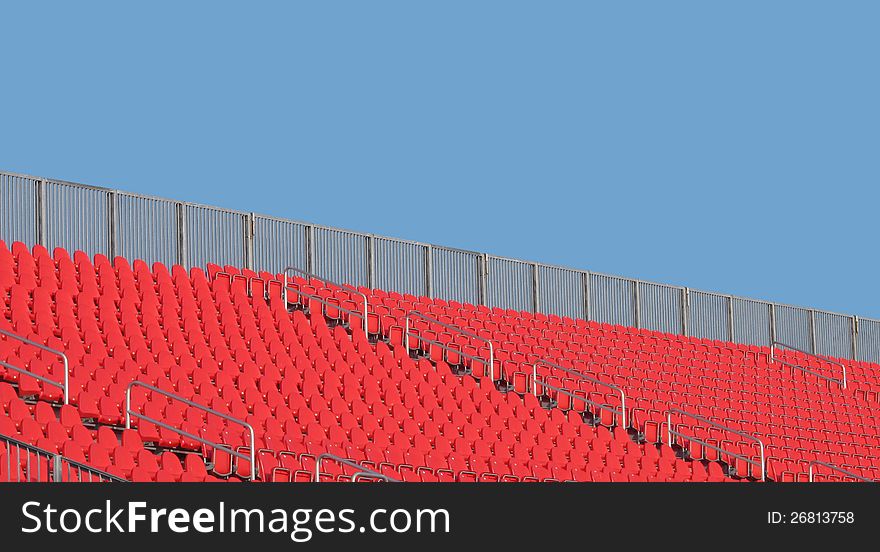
column 194, row 351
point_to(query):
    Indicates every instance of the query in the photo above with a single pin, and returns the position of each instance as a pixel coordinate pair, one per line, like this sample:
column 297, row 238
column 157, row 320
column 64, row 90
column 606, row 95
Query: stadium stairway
column 311, row 380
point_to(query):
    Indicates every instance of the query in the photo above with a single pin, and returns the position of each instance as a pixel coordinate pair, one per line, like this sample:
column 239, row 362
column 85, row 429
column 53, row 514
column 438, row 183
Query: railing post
column 730, row 319
column 813, row 349
column 41, row 229
column 310, row 248
column 57, row 469
column 112, row 245
column 250, row 228
column 484, row 276
column 588, row 303
column 536, row 292
column 182, row 253
column 685, row 311
column 371, row 261
column 637, row 300
column 854, row 327
column 772, row 308
column 429, row 271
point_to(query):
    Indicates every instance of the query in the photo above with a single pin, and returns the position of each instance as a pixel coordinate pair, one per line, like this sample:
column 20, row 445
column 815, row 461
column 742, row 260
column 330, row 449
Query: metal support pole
column 112, row 238
column 429, row 271
column 250, row 229
column 182, row 253
column 813, row 349
column 371, row 261
column 310, row 248
column 637, row 303
column 588, row 303
column 536, row 290
column 685, row 311
column 41, row 214
column 483, row 263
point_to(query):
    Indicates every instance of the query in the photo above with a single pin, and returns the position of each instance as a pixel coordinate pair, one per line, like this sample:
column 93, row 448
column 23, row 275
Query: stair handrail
column 129, row 413
column 774, row 344
column 362, row 470
column 621, row 411
column 64, row 386
column 418, row 314
column 670, row 432
column 311, row 276
column 837, row 469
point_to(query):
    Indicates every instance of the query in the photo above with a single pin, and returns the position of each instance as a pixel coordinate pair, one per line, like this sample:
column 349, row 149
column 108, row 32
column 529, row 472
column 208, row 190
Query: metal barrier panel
column 868, row 344
column 834, row 335
column 279, row 243
column 708, row 315
column 751, row 322
column 147, row 229
column 77, row 218
column 660, row 307
column 400, row 266
column 511, row 284
column 612, row 300
column 793, row 327
column 342, row 256
column 18, row 209
column 214, row 236
column 456, row 275
column 562, row 292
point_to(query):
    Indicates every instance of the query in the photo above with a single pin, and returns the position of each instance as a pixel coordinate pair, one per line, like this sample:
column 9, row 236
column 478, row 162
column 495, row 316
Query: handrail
column 65, row 386
column 418, row 314
column 835, row 468
column 312, row 276
column 58, row 462
column 129, row 413
column 362, row 471
column 773, row 358
column 371, row 475
column 621, row 411
column 671, row 432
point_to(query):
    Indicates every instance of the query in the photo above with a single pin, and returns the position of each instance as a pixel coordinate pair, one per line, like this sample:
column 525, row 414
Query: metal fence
column 53, row 213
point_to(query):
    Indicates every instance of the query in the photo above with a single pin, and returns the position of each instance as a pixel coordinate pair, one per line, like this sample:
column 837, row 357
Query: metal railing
column 56, row 213
column 407, row 334
column 292, row 269
column 71, row 471
column 832, row 467
column 362, row 472
column 64, row 386
column 775, row 344
column 251, row 457
column 670, row 432
column 624, row 422
column 34, row 464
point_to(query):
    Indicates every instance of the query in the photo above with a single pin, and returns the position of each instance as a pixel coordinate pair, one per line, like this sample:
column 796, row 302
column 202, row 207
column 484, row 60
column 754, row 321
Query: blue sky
column 724, row 147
